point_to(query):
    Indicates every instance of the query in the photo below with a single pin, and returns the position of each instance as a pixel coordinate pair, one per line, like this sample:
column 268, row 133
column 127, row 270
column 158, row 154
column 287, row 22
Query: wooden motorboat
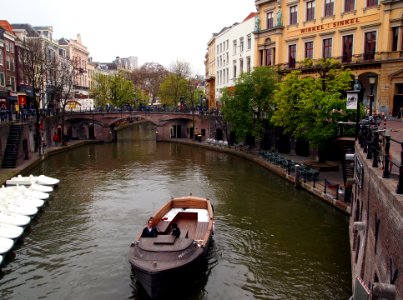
column 158, row 261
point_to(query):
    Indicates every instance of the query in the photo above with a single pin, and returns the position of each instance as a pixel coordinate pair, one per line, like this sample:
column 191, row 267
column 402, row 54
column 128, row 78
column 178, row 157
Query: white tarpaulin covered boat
column 13, row 218
column 25, row 201
column 5, row 245
column 23, row 191
column 10, row 231
column 28, row 180
column 19, row 209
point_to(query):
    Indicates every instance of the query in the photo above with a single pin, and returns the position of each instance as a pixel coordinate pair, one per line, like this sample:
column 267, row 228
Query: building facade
column 235, row 53
column 8, row 70
column 78, row 54
column 364, row 35
column 209, row 63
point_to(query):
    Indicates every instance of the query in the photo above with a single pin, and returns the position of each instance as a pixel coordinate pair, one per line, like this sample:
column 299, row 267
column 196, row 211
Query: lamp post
column 371, row 79
column 357, row 89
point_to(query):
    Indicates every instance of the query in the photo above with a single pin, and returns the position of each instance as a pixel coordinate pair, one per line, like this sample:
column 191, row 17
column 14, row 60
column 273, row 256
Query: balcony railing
column 347, row 61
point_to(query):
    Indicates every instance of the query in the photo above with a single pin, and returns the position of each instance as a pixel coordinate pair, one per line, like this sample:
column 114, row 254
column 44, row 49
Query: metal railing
column 347, row 61
column 377, row 143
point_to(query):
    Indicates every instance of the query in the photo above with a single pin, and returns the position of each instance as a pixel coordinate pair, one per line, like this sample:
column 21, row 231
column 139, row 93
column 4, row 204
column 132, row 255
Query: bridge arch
column 104, row 124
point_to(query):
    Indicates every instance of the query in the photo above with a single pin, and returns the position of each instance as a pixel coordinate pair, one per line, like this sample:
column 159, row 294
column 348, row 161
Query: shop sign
column 352, row 100
column 22, row 99
column 331, row 25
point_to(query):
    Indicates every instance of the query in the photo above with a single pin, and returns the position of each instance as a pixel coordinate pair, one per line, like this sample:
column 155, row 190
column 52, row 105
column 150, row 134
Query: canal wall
column 318, row 188
column 376, row 233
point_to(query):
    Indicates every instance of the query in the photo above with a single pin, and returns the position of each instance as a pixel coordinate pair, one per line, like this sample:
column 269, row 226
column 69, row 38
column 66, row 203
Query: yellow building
column 210, row 72
column 364, row 35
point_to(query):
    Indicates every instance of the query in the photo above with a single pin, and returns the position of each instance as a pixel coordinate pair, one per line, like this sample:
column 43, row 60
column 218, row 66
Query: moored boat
column 22, row 190
column 28, row 180
column 18, row 208
column 158, row 261
column 5, row 245
column 13, row 218
column 10, row 231
column 41, row 188
column 28, row 201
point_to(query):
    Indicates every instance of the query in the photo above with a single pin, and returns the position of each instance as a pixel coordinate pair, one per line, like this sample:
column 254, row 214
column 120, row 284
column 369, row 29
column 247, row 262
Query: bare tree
column 149, row 78
column 66, row 71
column 37, row 63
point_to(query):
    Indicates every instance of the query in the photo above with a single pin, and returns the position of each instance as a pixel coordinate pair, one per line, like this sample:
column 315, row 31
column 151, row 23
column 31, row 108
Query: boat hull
column 157, row 282
column 159, row 263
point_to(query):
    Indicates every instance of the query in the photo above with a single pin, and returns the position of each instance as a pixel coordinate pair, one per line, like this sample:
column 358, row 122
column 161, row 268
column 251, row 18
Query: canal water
column 271, row 241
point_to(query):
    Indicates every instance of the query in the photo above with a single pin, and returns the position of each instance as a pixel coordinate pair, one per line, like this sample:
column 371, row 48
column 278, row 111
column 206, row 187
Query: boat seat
column 184, row 234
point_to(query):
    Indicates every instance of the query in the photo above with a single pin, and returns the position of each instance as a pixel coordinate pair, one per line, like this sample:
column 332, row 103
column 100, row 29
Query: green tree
column 101, row 91
column 172, row 88
column 121, row 90
column 176, row 84
column 309, row 108
column 250, row 102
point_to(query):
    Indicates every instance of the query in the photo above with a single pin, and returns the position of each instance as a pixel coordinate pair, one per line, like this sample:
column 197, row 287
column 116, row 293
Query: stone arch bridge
column 103, row 126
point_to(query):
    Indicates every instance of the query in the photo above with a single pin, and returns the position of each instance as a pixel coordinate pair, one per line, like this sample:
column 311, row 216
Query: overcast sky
column 159, row 31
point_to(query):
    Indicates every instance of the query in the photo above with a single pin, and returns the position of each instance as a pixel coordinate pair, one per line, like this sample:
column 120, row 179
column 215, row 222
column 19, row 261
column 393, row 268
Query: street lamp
column 357, row 89
column 371, row 79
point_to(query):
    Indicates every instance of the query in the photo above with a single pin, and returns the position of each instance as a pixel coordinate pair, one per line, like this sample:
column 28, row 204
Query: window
column 329, row 8
column 327, row 48
column 372, row 3
column 248, row 64
column 8, row 63
column 348, row 5
column 292, row 51
column 249, row 41
column 309, row 50
column 2, row 79
column 234, row 68
column 310, row 10
column 7, row 46
column 293, row 15
column 241, row 44
column 11, row 81
column 270, row 20
column 241, row 66
column 1, row 57
column 369, row 45
column 347, row 48
column 269, row 57
column 12, row 64
column 395, row 38
column 234, row 44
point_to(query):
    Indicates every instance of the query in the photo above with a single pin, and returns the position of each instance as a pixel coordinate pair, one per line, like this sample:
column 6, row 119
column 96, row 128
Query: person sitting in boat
column 175, row 230
column 149, row 230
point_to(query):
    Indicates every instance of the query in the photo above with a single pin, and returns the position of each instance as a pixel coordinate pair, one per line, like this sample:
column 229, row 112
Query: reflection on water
column 271, row 241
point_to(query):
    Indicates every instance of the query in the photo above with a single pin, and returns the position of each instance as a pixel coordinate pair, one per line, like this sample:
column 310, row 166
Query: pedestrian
column 56, row 138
